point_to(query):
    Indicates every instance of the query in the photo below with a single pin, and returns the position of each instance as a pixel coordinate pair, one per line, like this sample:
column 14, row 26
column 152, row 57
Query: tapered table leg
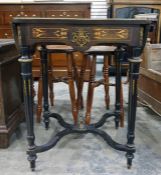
column 51, row 89
column 121, row 107
column 106, row 80
column 44, row 64
column 134, row 65
column 51, row 82
column 118, row 55
column 26, row 72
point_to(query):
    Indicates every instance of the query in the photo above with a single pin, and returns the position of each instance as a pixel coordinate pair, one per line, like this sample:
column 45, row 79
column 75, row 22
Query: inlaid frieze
column 111, row 34
column 55, row 33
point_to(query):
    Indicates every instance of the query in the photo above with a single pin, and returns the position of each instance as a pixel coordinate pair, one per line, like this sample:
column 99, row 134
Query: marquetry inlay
column 84, row 36
column 112, row 34
column 56, row 33
column 81, row 36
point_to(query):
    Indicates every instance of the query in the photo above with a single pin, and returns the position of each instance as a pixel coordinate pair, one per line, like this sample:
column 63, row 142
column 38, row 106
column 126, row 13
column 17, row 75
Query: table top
column 81, row 34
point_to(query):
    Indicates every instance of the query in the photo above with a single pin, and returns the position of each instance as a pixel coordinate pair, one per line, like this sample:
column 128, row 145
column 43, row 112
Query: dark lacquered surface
column 113, row 31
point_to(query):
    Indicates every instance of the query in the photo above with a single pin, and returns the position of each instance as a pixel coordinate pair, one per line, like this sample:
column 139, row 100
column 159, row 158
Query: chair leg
column 90, row 90
column 76, row 77
column 106, row 81
column 121, row 108
column 72, row 88
column 81, row 83
column 39, row 103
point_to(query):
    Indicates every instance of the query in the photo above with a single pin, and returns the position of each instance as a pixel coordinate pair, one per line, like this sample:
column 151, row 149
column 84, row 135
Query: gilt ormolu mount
column 128, row 35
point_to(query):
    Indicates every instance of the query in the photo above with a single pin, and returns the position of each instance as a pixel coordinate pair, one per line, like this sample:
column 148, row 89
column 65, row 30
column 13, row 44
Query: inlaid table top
column 80, row 33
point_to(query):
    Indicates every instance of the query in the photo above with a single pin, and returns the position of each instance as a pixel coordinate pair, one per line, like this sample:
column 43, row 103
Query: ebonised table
column 127, row 35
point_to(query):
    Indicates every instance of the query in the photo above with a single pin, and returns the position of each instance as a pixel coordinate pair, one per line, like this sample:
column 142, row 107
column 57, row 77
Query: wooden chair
column 94, row 52
column 69, row 79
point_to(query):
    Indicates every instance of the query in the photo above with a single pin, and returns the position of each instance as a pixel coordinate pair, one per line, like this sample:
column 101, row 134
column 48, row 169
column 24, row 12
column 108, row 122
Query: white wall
column 98, row 9
column 6, row 1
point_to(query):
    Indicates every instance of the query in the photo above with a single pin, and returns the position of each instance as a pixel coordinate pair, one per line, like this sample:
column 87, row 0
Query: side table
column 127, row 35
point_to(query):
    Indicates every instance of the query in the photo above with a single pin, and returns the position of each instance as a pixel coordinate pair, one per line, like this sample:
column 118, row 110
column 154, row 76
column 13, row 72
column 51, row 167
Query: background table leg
column 44, row 63
column 134, row 65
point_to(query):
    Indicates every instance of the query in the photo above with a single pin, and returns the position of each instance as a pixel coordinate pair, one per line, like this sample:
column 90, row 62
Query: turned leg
column 44, row 63
column 72, row 88
column 134, row 65
column 26, row 72
column 39, row 101
column 81, row 82
column 106, row 81
column 76, row 77
column 80, row 87
column 118, row 57
column 90, row 92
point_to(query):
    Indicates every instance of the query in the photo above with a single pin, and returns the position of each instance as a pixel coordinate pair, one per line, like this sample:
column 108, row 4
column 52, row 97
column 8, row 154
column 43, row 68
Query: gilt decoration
column 80, row 37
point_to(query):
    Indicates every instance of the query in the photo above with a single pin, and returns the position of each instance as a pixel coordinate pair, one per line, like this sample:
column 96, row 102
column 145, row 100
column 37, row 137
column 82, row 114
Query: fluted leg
column 26, row 72
column 106, row 81
column 90, row 90
column 72, row 88
column 133, row 77
column 44, row 63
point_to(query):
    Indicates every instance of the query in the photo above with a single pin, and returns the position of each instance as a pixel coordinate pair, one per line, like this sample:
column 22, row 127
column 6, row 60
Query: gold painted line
column 29, row 84
column 24, row 88
column 48, row 37
column 25, row 60
column 135, row 60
